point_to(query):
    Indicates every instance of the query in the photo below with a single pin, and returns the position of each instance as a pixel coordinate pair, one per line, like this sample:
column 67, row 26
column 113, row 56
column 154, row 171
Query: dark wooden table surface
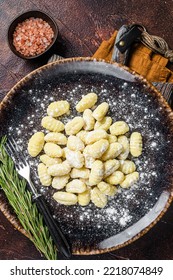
column 83, row 25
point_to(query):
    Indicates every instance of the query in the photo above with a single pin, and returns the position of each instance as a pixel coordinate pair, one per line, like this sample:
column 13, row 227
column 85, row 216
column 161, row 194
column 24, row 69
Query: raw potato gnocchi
column 84, row 198
column 101, row 111
column 94, row 161
column 60, row 169
column 82, row 134
column 110, row 166
column 74, row 143
column 105, row 123
column 97, row 173
column 76, row 186
column 87, row 102
column 94, row 136
column 52, row 124
column 80, row 173
column 35, row 144
column 112, row 138
column 58, row 108
column 98, row 198
column 53, row 150
column 136, row 144
column 119, row 128
column 74, row 126
column 48, row 161
column 113, row 151
column 123, row 140
column 127, row 166
column 57, row 138
column 97, row 149
column 74, row 158
column 65, row 198
column 107, row 188
column 59, row 182
column 43, row 175
column 89, row 160
column 88, row 119
column 115, row 178
column 130, row 180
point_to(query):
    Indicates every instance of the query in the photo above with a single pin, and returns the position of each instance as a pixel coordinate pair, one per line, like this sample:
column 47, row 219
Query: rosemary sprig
column 21, row 201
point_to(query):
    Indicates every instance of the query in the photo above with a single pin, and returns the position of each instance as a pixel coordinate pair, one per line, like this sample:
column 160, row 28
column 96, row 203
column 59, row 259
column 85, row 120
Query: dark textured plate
column 133, row 211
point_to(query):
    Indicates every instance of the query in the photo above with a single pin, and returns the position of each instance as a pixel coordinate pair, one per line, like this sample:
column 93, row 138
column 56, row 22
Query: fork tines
column 14, row 150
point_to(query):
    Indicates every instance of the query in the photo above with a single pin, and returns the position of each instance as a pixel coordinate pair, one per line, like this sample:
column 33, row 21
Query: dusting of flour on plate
column 127, row 102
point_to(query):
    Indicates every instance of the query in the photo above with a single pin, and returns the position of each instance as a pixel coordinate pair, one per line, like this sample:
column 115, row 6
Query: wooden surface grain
column 83, row 25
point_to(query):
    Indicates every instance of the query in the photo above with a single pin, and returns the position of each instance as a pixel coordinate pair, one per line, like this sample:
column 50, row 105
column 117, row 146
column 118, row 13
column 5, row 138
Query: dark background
column 83, row 25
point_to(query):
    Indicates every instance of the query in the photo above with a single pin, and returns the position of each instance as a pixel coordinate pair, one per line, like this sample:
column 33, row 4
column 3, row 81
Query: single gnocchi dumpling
column 115, row 178
column 113, row 151
column 110, row 166
column 74, row 126
column 84, row 198
column 58, row 108
column 74, row 158
column 53, row 150
column 130, row 180
column 127, row 166
column 48, row 161
column 101, row 111
column 52, row 124
column 55, row 137
column 43, row 175
column 80, row 173
column 97, row 173
column 65, row 198
column 119, row 128
column 98, row 198
column 74, row 143
column 35, row 144
column 87, row 102
column 76, row 186
column 105, row 123
column 88, row 119
column 59, row 169
column 95, row 135
column 112, row 138
column 59, row 182
column 97, row 149
column 124, row 141
column 136, row 144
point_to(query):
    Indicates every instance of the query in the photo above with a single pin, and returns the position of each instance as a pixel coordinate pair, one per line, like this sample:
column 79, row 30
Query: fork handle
column 56, row 234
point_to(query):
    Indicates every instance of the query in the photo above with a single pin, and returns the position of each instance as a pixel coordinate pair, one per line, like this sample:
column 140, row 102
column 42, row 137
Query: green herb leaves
column 21, row 200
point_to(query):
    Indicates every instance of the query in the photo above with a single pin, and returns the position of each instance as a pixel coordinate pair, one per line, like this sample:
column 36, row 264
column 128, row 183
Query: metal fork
column 23, row 169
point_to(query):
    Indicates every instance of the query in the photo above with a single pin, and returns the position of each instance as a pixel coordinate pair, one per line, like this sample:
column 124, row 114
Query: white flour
column 129, row 105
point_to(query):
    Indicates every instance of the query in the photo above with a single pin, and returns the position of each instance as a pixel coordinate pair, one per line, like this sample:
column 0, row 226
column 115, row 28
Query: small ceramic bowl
column 27, row 15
